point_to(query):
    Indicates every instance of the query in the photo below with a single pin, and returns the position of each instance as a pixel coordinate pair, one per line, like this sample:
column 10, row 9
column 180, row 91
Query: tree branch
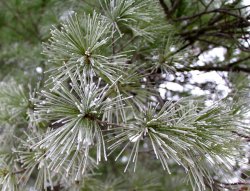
column 226, row 68
column 165, row 8
column 220, row 10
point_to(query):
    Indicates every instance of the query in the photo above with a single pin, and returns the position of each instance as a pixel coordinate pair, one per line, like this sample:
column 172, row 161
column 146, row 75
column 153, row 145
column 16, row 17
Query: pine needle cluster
column 98, row 106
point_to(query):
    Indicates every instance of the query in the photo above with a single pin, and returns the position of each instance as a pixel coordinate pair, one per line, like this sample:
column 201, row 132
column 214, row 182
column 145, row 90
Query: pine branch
column 165, row 8
column 208, row 68
column 219, row 10
column 102, row 95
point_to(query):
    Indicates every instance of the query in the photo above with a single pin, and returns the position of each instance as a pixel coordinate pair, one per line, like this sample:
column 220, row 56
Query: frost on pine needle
column 80, row 43
column 34, row 160
column 13, row 101
column 183, row 132
column 125, row 13
column 99, row 101
column 7, row 178
column 76, row 113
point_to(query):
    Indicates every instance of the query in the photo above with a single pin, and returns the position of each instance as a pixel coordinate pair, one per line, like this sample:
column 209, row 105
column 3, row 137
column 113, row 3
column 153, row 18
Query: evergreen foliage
column 87, row 114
